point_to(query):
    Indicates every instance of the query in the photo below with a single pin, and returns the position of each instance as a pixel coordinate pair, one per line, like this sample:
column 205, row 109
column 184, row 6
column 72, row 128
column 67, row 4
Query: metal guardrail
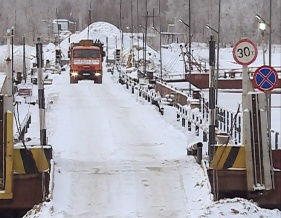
column 145, row 91
column 199, row 118
column 174, row 77
column 227, row 121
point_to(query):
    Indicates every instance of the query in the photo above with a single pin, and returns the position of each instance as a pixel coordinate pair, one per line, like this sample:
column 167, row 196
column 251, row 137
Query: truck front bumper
column 90, row 75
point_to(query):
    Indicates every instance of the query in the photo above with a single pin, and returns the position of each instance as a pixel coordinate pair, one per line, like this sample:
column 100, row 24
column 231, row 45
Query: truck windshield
column 86, row 53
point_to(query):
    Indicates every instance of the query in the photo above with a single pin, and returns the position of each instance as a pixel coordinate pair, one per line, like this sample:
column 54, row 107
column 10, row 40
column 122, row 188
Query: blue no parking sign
column 265, row 78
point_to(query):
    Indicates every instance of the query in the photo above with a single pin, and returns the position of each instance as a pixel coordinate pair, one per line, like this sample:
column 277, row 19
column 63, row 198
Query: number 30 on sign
column 245, row 52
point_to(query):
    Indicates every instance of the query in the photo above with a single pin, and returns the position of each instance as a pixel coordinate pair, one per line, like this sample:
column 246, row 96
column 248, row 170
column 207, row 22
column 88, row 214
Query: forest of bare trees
column 237, row 17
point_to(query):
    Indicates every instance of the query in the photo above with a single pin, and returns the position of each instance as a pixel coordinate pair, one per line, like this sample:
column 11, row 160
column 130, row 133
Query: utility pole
column 107, row 49
column 189, row 45
column 269, row 62
column 212, row 133
column 160, row 41
column 132, row 33
column 41, row 97
column 138, row 31
column 89, row 21
column 161, row 70
column 12, row 41
column 146, row 26
column 143, row 54
column 23, row 60
column 270, row 31
column 218, row 56
column 15, row 16
column 120, row 15
column 58, row 28
column 145, row 39
column 120, row 27
column 9, row 85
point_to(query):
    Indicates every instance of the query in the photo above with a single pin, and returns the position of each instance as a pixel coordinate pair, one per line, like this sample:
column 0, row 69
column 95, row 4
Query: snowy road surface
column 112, row 161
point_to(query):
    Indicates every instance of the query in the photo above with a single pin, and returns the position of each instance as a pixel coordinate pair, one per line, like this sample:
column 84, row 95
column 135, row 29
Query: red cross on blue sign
column 265, row 78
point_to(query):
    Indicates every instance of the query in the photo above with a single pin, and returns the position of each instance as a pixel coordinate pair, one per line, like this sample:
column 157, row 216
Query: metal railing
column 227, row 121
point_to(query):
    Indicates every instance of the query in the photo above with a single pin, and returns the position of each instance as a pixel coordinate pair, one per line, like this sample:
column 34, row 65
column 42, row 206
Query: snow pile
column 238, row 208
column 97, row 30
column 41, row 210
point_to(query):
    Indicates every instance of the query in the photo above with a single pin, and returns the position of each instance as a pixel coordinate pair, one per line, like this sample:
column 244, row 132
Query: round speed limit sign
column 245, row 52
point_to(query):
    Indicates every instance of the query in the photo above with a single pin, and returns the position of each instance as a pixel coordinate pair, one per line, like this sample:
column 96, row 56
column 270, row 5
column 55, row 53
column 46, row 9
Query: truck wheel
column 73, row 80
column 99, row 80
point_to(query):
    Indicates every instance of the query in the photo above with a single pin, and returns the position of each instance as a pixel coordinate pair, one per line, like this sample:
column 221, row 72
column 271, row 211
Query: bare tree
column 237, row 17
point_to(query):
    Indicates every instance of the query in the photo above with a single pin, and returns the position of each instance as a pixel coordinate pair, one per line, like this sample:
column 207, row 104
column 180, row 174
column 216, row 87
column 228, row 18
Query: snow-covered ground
column 116, row 156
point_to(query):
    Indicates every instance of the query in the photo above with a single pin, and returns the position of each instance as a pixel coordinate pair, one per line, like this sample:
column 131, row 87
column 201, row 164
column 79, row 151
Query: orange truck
column 86, row 59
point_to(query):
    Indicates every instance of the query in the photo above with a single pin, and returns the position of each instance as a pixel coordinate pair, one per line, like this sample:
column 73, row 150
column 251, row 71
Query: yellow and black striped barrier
column 228, row 156
column 33, row 159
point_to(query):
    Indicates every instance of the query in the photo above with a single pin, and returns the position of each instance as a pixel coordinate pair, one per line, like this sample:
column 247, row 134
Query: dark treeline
column 237, row 16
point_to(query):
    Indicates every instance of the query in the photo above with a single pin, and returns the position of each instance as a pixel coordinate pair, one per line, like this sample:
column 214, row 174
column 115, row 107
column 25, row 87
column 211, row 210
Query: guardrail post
column 189, row 125
column 227, row 121
column 133, row 89
column 239, row 129
column 276, row 140
column 205, row 136
column 221, row 117
column 203, row 106
column 224, row 120
column 199, row 152
column 183, row 122
column 161, row 109
column 231, row 122
column 197, row 130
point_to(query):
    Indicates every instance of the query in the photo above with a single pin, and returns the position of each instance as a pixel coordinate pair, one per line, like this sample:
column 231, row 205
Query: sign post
column 244, row 53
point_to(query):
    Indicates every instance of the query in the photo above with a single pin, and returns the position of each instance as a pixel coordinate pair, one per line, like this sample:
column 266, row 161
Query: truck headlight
column 74, row 73
column 98, row 74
